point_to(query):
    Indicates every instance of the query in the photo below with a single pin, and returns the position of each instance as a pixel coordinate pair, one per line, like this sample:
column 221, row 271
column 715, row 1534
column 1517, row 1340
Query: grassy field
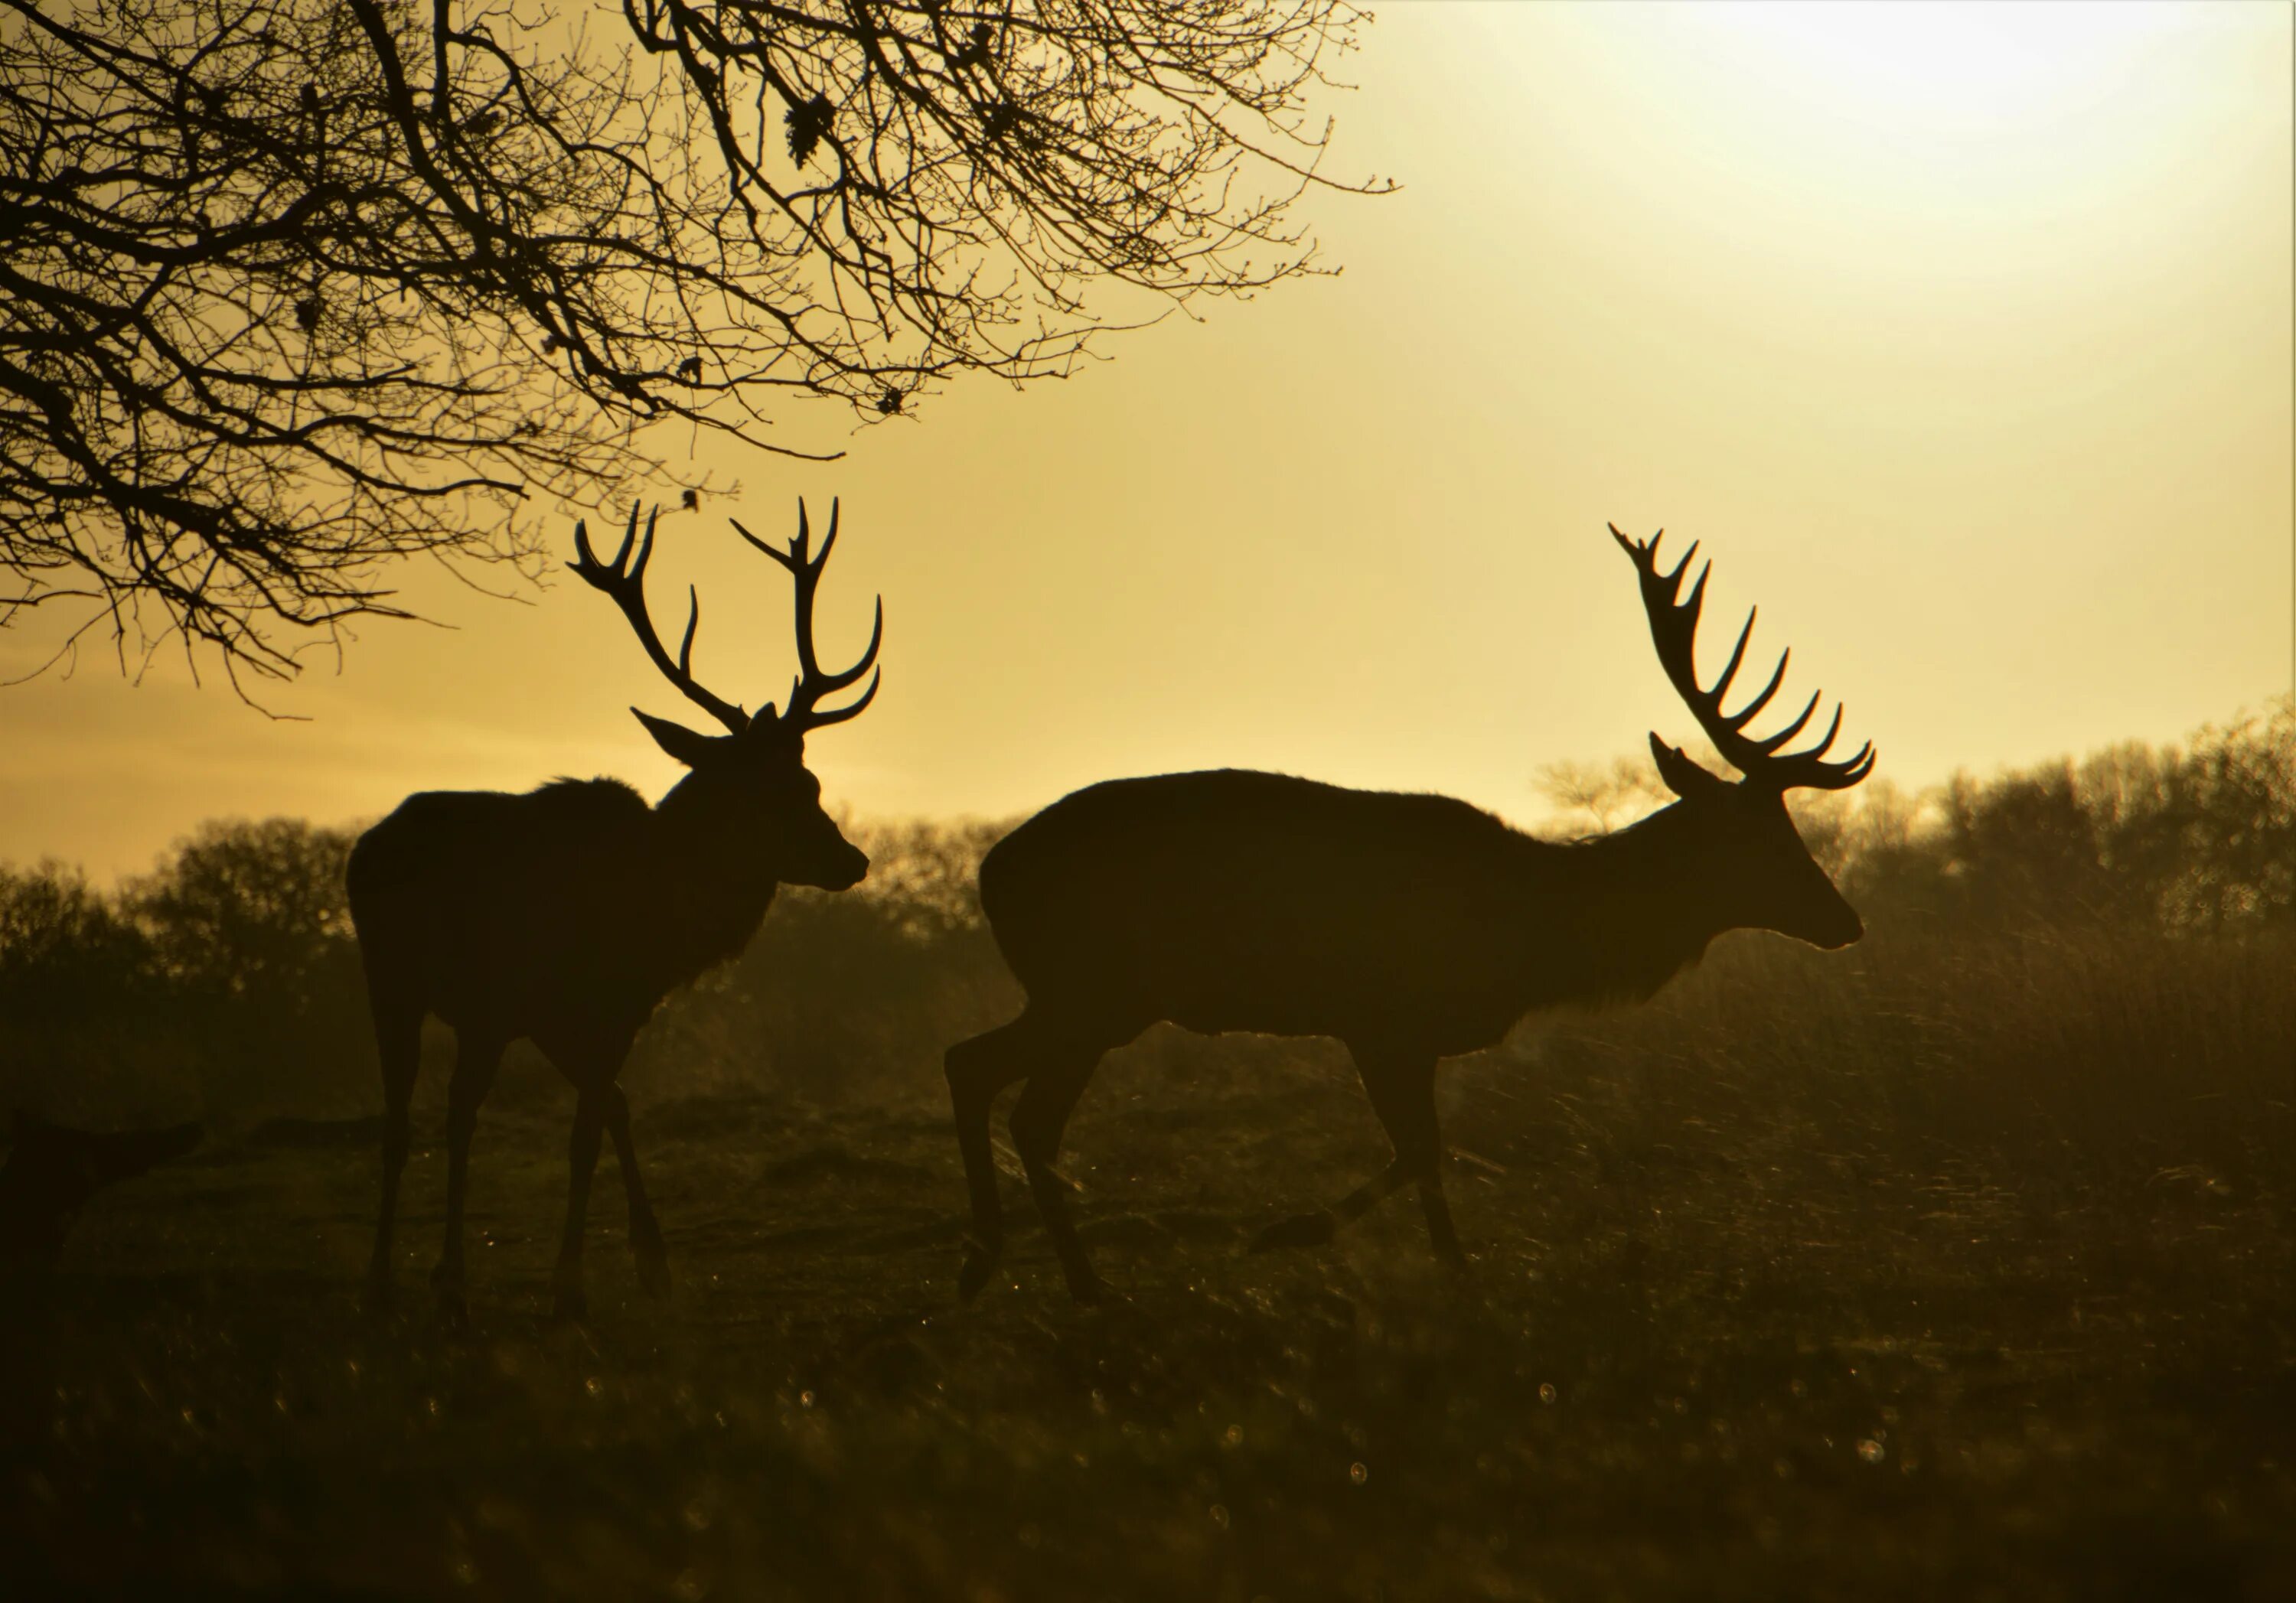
column 1823, row 1278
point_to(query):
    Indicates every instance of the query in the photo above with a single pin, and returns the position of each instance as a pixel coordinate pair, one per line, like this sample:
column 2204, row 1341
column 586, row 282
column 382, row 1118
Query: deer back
column 1241, row 901
column 507, row 909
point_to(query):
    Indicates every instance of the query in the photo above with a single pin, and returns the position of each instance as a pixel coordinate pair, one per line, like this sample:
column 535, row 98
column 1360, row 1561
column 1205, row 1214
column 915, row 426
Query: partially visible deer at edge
column 567, row 913
column 1413, row 928
column 53, row 1172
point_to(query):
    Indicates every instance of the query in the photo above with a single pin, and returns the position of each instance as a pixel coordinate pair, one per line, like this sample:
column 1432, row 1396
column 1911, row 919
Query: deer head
column 54, row 1171
column 752, row 777
column 1764, row 876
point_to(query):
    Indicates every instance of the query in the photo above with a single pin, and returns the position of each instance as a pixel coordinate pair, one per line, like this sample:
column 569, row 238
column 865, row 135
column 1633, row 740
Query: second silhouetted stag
column 1413, row 928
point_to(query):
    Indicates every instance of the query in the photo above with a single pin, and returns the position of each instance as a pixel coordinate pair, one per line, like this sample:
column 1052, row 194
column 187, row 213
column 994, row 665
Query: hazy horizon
column 1959, row 336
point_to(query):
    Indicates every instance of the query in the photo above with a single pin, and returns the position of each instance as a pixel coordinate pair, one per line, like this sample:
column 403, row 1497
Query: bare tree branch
column 290, row 289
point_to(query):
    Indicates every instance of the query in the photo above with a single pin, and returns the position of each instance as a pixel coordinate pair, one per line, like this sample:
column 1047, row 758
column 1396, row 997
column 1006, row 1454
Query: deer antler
column 812, row 684
column 624, row 581
column 1673, row 630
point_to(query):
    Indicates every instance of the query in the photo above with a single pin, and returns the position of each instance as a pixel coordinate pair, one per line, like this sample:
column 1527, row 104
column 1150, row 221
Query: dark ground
column 1712, row 1346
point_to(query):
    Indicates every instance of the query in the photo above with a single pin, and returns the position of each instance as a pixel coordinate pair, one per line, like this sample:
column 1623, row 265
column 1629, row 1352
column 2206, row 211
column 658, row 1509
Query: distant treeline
column 226, row 983
column 2196, row 839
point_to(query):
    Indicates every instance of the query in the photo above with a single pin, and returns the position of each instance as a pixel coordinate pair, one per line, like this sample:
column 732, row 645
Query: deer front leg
column 475, row 1062
column 568, row 1301
column 1440, row 1234
column 1317, row 1228
column 1402, row 1090
column 399, row 1039
column 645, row 1232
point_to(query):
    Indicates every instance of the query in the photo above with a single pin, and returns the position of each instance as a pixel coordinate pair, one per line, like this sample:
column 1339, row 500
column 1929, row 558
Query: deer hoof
column 378, row 1301
column 1307, row 1230
column 453, row 1313
column 980, row 1264
column 569, row 1306
column 1086, row 1288
column 653, row 1271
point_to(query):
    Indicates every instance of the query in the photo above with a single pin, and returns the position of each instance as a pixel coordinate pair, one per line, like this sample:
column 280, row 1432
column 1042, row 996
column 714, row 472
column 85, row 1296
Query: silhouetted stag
column 566, row 914
column 1413, row 928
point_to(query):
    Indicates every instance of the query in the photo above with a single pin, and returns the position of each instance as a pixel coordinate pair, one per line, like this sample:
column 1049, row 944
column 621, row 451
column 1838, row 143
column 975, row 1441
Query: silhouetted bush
column 845, row 997
column 224, row 981
column 65, row 949
column 2197, row 840
column 82, row 1022
column 250, row 934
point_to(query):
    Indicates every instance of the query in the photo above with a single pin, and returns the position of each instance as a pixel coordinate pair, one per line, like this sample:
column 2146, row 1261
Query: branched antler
column 624, row 581
column 1674, row 631
column 812, row 684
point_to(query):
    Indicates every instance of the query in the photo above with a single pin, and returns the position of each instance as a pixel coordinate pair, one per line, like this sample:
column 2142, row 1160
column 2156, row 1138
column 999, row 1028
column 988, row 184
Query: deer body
column 474, row 887
column 1258, row 902
column 1412, row 927
column 565, row 915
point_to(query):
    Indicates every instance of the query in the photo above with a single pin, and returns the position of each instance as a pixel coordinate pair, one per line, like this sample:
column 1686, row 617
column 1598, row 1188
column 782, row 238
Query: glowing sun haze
column 1960, row 335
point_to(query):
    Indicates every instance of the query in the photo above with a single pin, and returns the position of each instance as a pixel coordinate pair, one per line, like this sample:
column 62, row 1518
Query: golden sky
column 1960, row 334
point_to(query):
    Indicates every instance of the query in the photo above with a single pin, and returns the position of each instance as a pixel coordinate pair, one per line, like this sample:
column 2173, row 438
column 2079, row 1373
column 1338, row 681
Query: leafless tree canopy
column 289, row 288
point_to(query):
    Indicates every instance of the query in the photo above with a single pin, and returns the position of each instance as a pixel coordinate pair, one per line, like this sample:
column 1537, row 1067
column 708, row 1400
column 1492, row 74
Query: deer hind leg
column 398, row 1043
column 645, row 1232
column 1037, row 1042
column 977, row 1068
column 1038, row 1119
column 590, row 1061
column 1402, row 1093
column 567, row 1300
column 476, row 1059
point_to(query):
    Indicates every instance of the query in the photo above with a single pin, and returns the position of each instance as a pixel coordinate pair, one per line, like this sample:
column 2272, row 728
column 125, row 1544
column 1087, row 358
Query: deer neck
column 1619, row 916
column 714, row 875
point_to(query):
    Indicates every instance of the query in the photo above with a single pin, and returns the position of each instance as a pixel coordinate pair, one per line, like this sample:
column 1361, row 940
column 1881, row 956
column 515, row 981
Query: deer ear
column 1684, row 777
column 768, row 729
column 685, row 745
